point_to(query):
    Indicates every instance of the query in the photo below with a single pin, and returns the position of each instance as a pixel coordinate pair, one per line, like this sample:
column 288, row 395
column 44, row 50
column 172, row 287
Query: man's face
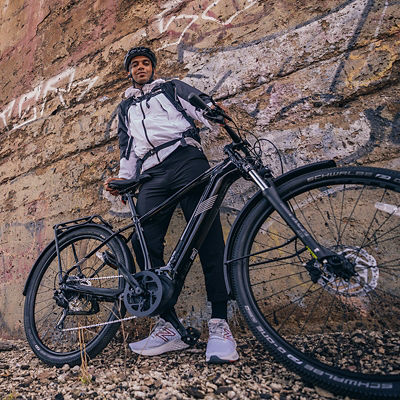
column 141, row 69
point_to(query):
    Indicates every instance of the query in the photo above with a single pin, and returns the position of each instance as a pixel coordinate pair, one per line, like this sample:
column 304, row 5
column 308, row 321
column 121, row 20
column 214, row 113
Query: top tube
column 204, row 177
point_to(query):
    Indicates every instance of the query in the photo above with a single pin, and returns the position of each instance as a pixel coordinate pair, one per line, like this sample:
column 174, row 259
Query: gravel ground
column 118, row 374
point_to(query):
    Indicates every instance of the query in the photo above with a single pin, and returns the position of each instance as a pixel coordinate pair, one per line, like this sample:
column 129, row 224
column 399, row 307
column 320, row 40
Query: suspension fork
column 270, row 193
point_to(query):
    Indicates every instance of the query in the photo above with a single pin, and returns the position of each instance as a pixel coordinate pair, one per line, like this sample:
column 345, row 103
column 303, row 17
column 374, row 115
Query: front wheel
column 60, row 325
column 341, row 334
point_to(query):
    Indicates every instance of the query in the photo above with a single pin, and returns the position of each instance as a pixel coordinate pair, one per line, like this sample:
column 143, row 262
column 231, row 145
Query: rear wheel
column 87, row 323
column 342, row 334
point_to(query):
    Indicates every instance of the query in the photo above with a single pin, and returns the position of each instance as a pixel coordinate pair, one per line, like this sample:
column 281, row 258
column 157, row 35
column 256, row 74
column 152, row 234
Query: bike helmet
column 139, row 51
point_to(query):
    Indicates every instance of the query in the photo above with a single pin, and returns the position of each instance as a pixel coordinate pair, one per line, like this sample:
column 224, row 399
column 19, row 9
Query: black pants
column 176, row 171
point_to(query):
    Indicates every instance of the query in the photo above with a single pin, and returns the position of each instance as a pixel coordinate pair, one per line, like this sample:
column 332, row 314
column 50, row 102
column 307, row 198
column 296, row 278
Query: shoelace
column 220, row 331
column 159, row 326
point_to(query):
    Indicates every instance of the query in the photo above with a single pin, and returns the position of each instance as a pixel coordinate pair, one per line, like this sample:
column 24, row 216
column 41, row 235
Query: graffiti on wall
column 34, row 105
column 281, row 58
column 176, row 26
column 340, row 80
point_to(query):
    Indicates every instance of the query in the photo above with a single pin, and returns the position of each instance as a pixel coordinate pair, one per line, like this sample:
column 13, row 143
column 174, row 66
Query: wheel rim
column 353, row 325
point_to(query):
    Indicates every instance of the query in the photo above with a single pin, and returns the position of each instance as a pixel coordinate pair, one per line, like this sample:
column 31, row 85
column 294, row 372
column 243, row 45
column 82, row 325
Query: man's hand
column 112, row 191
column 222, row 113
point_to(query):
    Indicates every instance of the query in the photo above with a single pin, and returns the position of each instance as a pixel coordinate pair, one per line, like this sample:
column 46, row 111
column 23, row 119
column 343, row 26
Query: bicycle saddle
column 129, row 185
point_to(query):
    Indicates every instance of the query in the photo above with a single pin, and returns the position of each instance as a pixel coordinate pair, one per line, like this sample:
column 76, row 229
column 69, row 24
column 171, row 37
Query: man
column 157, row 134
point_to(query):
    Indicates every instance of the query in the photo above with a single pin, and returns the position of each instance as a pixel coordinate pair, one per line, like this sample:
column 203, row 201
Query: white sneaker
column 221, row 346
column 162, row 339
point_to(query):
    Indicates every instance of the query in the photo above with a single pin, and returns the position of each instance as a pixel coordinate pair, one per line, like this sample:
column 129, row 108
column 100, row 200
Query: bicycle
column 311, row 259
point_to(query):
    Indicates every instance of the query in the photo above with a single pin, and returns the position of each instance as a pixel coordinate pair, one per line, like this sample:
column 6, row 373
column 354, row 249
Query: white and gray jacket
column 152, row 116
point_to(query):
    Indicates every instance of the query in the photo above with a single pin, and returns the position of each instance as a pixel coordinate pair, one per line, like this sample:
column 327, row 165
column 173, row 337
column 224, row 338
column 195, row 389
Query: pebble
column 62, row 378
column 176, row 376
column 276, row 387
column 76, row 369
column 323, row 392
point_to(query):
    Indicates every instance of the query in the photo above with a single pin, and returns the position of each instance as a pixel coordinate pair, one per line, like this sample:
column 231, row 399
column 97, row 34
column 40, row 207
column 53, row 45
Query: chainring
column 147, row 303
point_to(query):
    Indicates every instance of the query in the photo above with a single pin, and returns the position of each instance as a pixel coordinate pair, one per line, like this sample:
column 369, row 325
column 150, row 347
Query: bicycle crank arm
column 189, row 335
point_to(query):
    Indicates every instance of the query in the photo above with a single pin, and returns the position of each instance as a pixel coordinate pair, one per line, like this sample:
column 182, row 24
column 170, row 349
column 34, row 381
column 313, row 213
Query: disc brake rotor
column 365, row 280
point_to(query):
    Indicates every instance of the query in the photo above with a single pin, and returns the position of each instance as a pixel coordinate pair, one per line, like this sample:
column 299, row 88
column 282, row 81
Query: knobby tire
column 337, row 334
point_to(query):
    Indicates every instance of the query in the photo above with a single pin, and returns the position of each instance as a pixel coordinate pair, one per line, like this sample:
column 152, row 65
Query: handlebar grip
column 196, row 101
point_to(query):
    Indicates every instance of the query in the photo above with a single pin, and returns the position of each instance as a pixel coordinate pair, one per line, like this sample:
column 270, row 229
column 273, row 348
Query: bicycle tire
column 337, row 334
column 41, row 312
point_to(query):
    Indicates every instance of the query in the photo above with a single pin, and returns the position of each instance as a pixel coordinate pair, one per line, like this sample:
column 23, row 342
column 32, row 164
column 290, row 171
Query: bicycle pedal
column 192, row 336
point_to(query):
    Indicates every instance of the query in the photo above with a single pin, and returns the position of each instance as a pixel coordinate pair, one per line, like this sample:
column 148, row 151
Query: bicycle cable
column 256, row 148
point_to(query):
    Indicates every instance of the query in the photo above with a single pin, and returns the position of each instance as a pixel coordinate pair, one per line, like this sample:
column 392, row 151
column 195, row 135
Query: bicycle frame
column 218, row 180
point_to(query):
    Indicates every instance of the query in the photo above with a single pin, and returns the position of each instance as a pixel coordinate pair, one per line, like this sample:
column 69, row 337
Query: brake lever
column 213, row 116
column 219, row 110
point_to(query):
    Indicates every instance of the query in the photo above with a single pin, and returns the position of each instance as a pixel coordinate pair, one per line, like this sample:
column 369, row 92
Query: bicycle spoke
column 270, row 261
column 349, row 218
column 293, row 309
column 382, row 241
column 277, row 279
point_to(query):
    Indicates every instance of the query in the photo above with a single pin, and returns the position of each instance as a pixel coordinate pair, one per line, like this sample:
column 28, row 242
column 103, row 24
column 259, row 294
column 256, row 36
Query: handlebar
column 197, row 101
column 215, row 115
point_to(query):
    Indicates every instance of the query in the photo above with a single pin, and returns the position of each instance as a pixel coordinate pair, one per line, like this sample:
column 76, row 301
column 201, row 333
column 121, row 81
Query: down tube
column 201, row 220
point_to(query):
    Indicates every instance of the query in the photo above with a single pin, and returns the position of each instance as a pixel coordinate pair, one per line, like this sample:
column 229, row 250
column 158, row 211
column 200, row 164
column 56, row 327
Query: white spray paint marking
column 163, row 26
column 32, row 105
column 378, row 27
column 6, row 113
column 388, row 208
column 228, row 21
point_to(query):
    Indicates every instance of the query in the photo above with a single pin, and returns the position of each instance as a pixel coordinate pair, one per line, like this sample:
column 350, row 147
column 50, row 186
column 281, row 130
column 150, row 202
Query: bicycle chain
column 101, row 323
column 96, row 325
column 101, row 277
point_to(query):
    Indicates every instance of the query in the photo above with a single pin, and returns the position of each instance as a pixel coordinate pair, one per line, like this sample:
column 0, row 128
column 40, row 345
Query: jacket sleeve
column 128, row 158
column 183, row 90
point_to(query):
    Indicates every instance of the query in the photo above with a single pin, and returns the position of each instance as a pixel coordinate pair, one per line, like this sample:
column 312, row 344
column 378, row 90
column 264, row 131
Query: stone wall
column 319, row 78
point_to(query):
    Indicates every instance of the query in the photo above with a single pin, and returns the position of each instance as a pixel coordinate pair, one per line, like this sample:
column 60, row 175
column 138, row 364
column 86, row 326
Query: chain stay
column 101, row 277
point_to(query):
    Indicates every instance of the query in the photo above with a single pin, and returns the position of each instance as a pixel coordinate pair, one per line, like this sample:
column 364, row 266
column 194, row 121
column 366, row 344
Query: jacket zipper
column 145, row 131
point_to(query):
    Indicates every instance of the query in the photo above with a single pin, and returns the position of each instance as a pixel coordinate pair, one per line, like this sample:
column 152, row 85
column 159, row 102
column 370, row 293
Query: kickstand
column 189, row 335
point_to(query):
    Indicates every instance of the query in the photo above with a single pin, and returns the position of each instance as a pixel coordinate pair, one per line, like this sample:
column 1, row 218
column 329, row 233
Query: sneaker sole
column 165, row 348
column 217, row 360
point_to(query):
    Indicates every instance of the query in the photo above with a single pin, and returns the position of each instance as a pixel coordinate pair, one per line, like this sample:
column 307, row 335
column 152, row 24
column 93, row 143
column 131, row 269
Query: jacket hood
column 148, row 87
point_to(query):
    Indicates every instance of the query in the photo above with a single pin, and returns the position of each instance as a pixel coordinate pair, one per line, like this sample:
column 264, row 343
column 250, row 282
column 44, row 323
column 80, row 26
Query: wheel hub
column 363, row 280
